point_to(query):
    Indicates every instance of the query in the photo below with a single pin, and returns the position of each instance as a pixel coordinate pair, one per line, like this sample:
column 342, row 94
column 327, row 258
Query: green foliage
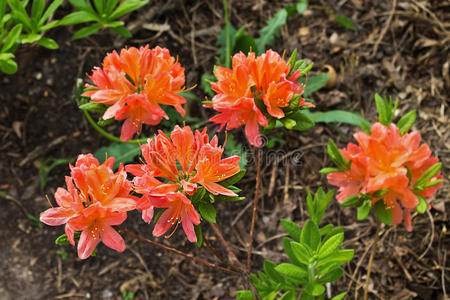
column 63, row 240
column 315, row 83
column 128, row 295
column 315, row 258
column 122, row 152
column 382, row 212
column 233, row 147
column 336, row 156
column 345, row 22
column 47, row 165
column 406, row 122
column 62, row 253
column 338, row 116
column 101, row 14
column 424, row 180
column 268, row 33
column 35, row 25
column 8, row 41
column 386, row 109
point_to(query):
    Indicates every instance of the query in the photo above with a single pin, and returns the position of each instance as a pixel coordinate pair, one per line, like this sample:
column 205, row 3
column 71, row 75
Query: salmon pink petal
column 114, row 218
column 56, row 216
column 407, row 218
column 216, row 189
column 188, row 227
column 70, row 234
column 164, row 223
column 112, row 238
column 121, row 204
column 147, row 214
column 136, row 169
column 129, row 128
column 252, row 133
column 87, row 243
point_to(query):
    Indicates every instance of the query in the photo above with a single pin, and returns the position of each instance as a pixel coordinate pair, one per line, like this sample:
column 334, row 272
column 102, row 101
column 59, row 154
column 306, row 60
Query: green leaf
column 382, row 213
column 94, row 107
column 292, row 271
column 363, row 210
column 427, row 176
column 233, row 147
column 46, row 166
column 205, row 83
column 122, row 152
column 83, row 5
column 432, row 183
column 352, row 200
column 339, row 257
column 422, row 206
column 338, row 116
column 325, row 229
column 340, row 296
column 288, row 296
column 86, row 31
column 49, row 26
column 37, row 8
column 50, row 10
column 310, row 235
column 48, row 43
column 20, row 13
column 301, row 252
column 199, row 235
column 336, row 155
column 110, row 6
column 289, row 251
column 244, row 295
column 8, row 66
column 30, row 38
column 301, row 6
column 345, row 22
column 331, row 245
column 406, row 122
column 332, row 276
column 315, row 289
column 315, row 83
column 77, row 18
column 233, row 179
column 302, row 121
column 271, row 30
column 385, row 109
column 244, row 43
column 99, row 6
column 326, row 171
column 291, row 228
column 63, row 240
column 126, row 7
column 122, row 31
column 269, row 269
column 12, row 38
column 208, row 211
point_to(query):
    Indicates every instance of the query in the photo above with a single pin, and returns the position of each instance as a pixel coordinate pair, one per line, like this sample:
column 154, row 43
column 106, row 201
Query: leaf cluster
column 101, row 14
column 315, row 258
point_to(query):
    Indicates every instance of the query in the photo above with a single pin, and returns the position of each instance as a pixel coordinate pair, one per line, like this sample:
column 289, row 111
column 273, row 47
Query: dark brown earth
column 402, row 52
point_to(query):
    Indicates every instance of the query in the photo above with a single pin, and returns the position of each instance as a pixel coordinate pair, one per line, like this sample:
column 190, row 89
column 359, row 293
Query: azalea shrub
column 182, row 173
column 182, row 176
column 388, row 169
column 314, row 254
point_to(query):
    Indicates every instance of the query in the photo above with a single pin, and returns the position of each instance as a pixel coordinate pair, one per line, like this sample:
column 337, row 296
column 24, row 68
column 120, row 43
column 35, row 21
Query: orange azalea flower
column 95, row 199
column 381, row 161
column 267, row 75
column 185, row 160
column 134, row 84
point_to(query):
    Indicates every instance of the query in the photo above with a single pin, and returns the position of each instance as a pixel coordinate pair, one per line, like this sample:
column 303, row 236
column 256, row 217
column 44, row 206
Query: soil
column 402, row 52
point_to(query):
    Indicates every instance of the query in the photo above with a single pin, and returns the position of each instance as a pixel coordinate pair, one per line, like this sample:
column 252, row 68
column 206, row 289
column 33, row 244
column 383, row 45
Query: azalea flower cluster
column 388, row 164
column 265, row 78
column 173, row 169
column 134, row 84
column 96, row 198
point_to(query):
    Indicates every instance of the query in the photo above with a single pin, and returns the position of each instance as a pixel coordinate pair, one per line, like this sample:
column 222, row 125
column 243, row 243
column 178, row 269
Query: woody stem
column 255, row 207
column 108, row 135
column 179, row 252
column 372, row 254
column 226, row 246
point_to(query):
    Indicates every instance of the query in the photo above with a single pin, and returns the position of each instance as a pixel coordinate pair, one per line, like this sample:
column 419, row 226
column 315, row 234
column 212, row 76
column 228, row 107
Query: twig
column 372, row 254
column 227, row 35
column 383, row 32
column 431, row 237
column 226, row 245
column 179, row 252
column 255, row 207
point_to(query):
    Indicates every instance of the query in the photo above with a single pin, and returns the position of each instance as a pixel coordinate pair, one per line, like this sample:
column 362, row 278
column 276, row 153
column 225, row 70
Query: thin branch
column 227, row 246
column 372, row 254
column 255, row 208
column 179, row 252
